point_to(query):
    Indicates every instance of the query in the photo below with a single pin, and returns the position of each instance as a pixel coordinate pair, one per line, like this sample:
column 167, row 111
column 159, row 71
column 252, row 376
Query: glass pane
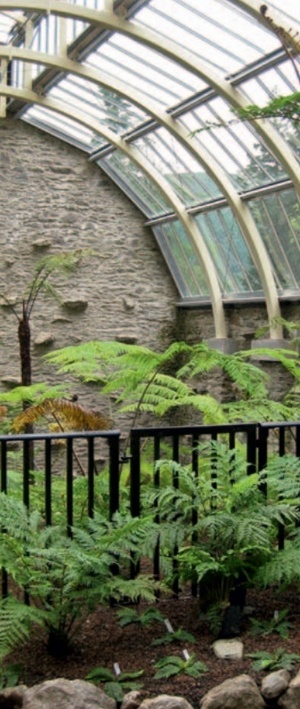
column 177, row 165
column 234, row 145
column 66, row 127
column 278, row 220
column 142, row 190
column 182, row 259
column 145, row 70
column 229, row 251
column 278, row 81
column 113, row 111
column 216, row 31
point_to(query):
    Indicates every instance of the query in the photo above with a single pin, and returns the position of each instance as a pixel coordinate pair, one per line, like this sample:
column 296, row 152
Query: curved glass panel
column 233, row 143
column 60, row 125
column 113, row 111
column 145, row 70
column 278, row 220
column 278, row 81
column 229, row 251
column 139, row 186
column 177, row 165
column 182, row 259
column 216, row 31
column 288, row 8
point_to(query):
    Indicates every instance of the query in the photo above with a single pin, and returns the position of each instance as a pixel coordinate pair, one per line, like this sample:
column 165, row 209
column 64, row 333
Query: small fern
column 272, row 661
column 127, row 616
column 173, row 665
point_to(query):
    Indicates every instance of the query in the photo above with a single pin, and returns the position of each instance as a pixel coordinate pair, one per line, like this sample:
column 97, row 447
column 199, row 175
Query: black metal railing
column 147, row 445
column 42, row 446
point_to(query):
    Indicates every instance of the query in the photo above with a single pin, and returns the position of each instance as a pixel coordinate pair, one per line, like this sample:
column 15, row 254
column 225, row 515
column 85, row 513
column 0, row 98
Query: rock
column 291, row 698
column 41, row 244
column 228, row 649
column 237, row 693
column 11, row 382
column 66, row 694
column 128, row 303
column 44, row 338
column 132, row 700
column 275, row 684
column 79, row 303
column 164, row 701
column 127, row 338
column 12, row 697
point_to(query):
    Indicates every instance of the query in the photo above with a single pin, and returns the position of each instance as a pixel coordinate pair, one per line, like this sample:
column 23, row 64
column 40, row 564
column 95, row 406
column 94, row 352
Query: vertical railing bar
column 156, row 480
column 26, row 471
column 114, row 475
column 281, row 528
column 232, row 460
column 281, row 450
column 252, row 443
column 3, row 483
column 175, row 585
column 135, row 486
column 195, row 469
column 114, row 487
column 3, row 466
column 91, row 478
column 297, row 450
column 48, row 482
column 27, row 456
column 263, row 432
column 69, row 485
column 214, row 482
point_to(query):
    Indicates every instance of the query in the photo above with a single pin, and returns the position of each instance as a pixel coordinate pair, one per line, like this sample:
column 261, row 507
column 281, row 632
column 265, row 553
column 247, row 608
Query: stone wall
column 52, row 200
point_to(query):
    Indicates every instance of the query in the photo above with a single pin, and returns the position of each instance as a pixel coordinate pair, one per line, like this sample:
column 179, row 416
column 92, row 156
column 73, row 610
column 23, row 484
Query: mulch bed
column 102, row 642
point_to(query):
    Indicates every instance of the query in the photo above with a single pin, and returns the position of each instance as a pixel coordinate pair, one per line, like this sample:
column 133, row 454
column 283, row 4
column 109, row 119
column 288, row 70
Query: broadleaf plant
column 173, row 665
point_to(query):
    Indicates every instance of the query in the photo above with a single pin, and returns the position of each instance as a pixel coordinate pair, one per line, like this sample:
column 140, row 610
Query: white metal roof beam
column 241, row 211
column 187, row 222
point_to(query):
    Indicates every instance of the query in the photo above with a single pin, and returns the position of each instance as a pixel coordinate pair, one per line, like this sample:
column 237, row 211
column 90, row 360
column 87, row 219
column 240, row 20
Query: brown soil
column 102, row 642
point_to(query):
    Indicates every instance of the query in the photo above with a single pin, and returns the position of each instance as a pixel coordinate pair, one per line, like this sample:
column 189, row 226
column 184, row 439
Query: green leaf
column 100, row 674
column 114, row 690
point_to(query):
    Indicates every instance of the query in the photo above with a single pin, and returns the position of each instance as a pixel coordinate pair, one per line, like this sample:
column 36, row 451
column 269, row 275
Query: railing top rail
column 279, row 424
column 189, row 430
column 62, row 435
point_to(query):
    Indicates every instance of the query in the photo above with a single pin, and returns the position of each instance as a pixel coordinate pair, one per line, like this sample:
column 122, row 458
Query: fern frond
column 16, row 620
column 282, row 569
column 74, row 416
column 35, row 393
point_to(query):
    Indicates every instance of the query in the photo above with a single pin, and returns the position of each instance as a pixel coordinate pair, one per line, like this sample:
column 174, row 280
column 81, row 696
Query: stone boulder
column 291, row 698
column 237, row 693
column 165, row 701
column 57, row 694
column 274, row 684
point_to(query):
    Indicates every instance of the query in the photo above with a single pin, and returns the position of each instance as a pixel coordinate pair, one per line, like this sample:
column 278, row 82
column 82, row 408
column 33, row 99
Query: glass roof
column 148, row 89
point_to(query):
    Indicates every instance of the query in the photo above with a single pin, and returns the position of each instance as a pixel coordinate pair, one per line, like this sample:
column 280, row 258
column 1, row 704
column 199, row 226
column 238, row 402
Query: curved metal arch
column 186, row 220
column 239, row 208
column 188, row 60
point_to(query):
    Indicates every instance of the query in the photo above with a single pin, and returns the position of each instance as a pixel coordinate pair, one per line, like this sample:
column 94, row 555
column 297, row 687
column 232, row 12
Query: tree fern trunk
column 24, row 336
